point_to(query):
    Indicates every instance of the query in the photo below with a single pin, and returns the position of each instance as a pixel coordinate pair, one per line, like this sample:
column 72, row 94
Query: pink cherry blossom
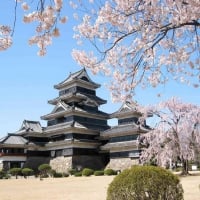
column 25, row 6
column 47, row 14
column 176, row 135
column 147, row 41
column 5, row 38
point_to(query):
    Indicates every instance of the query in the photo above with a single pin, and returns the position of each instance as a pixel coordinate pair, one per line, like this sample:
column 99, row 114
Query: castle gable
column 126, row 110
column 81, row 76
column 61, row 106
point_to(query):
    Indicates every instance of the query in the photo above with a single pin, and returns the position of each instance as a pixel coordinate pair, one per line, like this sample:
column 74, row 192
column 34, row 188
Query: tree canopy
column 142, row 42
column 176, row 136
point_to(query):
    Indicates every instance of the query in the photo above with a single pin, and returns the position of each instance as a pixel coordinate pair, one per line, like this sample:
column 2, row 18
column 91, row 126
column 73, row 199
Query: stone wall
column 122, row 163
column 61, row 164
column 1, row 164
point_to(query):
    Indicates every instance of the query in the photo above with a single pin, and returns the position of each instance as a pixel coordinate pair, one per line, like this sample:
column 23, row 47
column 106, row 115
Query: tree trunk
column 185, row 169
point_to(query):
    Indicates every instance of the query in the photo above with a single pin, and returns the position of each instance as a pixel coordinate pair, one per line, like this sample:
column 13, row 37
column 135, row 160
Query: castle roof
column 30, row 127
column 81, row 76
column 127, row 109
column 79, row 96
column 73, row 126
column 62, row 109
column 13, row 139
column 125, row 129
column 120, row 145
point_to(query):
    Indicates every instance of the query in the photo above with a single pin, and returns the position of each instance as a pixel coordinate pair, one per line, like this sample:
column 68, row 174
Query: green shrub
column 72, row 171
column 7, row 176
column 15, row 172
column 178, row 169
column 2, row 174
column 99, row 173
column 87, row 172
column 52, row 172
column 44, row 170
column 78, row 174
column 145, row 182
column 110, row 172
column 65, row 175
column 27, row 172
column 58, row 175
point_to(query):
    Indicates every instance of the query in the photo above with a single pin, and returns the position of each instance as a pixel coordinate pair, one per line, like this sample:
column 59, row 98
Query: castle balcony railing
column 12, row 154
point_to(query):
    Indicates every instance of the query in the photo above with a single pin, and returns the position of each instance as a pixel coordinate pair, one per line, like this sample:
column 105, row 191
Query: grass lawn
column 75, row 188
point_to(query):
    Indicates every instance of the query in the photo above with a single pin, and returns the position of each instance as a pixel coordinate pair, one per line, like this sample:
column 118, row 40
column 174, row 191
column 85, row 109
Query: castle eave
column 75, row 111
column 126, row 114
column 78, row 82
column 69, row 127
column 77, row 97
column 69, row 143
column 120, row 145
column 13, row 145
column 122, row 130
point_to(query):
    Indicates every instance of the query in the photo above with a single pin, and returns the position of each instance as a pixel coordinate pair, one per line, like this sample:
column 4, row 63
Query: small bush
column 78, row 174
column 15, row 172
column 27, row 172
column 65, row 175
column 110, row 172
column 44, row 167
column 3, row 174
column 72, row 171
column 7, row 176
column 145, row 182
column 87, row 172
column 44, row 170
column 178, row 169
column 52, row 172
column 99, row 173
column 58, row 175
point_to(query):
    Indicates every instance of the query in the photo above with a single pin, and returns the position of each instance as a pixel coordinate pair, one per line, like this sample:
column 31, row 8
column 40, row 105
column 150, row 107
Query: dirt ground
column 75, row 188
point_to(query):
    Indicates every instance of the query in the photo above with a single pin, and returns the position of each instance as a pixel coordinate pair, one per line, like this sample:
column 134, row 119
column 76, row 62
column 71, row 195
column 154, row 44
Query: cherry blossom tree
column 176, row 136
column 142, row 42
column 135, row 42
column 45, row 15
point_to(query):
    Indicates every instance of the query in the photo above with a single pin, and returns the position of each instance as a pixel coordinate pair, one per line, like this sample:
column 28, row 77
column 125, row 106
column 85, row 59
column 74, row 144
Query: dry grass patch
column 73, row 188
column 191, row 187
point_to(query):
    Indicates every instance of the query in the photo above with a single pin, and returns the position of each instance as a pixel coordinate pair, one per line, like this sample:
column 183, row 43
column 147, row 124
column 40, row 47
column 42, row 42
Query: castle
column 77, row 134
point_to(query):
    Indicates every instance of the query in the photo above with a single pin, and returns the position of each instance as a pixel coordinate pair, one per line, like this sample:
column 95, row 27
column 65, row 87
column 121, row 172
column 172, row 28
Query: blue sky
column 26, row 80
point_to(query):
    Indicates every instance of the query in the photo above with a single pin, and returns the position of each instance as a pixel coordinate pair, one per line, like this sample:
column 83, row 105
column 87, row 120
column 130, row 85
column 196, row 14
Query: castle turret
column 123, row 145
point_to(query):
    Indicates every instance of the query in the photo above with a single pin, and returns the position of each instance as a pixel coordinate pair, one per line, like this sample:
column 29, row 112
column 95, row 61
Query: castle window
column 84, row 78
column 128, row 120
